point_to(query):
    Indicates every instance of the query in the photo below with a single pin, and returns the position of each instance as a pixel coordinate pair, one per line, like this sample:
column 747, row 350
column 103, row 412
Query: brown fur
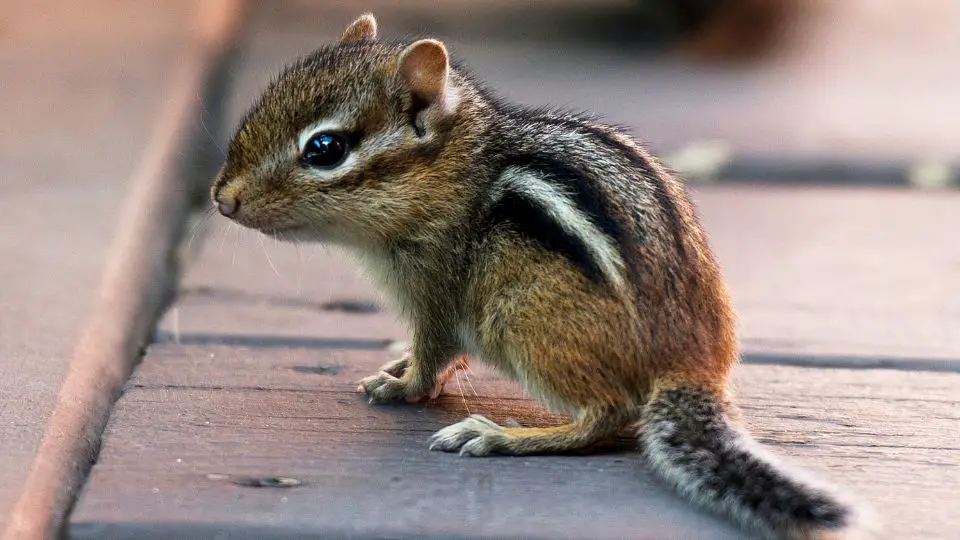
column 364, row 28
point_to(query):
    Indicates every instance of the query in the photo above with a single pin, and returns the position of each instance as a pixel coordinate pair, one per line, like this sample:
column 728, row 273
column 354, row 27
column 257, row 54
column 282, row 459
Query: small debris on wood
column 351, row 306
column 317, row 370
column 266, row 481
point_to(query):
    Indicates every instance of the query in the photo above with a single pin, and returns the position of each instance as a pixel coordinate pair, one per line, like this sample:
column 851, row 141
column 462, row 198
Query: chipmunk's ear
column 425, row 69
column 363, row 28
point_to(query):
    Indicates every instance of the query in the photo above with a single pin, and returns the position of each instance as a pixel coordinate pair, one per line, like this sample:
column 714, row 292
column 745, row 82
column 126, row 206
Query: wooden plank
column 889, row 437
column 103, row 57
column 828, row 273
column 194, row 411
column 366, row 471
column 819, row 277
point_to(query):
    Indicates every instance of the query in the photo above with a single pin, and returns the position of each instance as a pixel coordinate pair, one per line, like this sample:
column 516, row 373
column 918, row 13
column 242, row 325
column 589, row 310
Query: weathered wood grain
column 366, row 470
column 195, row 411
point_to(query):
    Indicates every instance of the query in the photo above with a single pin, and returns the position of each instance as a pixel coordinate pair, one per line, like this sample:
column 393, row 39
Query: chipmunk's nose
column 227, row 205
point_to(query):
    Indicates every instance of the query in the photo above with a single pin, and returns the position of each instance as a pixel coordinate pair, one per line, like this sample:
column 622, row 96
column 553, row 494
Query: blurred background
column 770, row 85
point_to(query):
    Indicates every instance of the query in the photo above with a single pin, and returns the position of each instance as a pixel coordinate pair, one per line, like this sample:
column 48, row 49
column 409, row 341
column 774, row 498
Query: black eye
column 324, row 150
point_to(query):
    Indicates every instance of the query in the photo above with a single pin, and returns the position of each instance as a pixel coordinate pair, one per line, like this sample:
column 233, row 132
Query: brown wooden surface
column 366, row 470
column 81, row 90
column 194, row 411
column 139, row 275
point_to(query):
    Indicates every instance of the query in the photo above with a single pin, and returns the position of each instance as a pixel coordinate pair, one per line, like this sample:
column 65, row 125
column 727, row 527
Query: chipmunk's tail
column 689, row 441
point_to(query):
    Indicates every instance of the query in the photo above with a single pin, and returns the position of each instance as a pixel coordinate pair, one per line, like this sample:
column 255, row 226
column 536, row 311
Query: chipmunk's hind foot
column 479, row 436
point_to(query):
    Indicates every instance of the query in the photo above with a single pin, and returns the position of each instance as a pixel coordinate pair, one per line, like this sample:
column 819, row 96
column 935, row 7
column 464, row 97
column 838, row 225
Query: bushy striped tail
column 690, row 443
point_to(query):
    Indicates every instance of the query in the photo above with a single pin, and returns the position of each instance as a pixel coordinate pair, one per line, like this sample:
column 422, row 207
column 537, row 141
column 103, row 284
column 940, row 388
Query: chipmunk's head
column 347, row 145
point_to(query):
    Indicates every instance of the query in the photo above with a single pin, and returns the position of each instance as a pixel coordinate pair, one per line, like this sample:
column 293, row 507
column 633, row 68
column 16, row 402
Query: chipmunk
column 550, row 246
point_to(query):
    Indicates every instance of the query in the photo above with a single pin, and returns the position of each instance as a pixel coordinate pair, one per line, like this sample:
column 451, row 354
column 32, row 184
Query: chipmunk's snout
column 225, row 200
column 227, row 205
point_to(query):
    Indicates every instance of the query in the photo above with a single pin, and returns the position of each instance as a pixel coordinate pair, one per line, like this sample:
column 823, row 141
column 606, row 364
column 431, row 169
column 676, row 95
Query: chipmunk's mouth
column 268, row 229
column 281, row 231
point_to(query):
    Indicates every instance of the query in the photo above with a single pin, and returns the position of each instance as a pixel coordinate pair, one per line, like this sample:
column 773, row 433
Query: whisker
column 472, row 389
column 267, row 255
column 206, row 130
column 236, row 247
column 296, row 245
column 456, row 374
column 198, row 226
column 223, row 233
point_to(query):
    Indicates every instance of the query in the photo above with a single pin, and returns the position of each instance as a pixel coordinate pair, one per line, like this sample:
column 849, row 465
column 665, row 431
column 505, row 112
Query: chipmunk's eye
column 325, row 150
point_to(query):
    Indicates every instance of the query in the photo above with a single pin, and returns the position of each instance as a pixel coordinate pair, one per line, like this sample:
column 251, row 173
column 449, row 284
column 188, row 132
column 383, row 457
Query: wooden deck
column 253, row 383
column 201, row 429
column 243, row 421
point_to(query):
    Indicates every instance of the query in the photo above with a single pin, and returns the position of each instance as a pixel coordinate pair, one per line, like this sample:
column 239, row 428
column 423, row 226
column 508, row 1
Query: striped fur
column 560, row 210
column 690, row 443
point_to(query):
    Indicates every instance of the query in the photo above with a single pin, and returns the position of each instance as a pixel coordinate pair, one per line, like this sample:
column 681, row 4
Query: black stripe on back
column 664, row 201
column 638, row 160
column 529, row 219
column 585, row 195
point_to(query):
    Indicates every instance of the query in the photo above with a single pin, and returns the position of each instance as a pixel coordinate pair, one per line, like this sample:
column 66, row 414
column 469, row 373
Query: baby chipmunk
column 550, row 246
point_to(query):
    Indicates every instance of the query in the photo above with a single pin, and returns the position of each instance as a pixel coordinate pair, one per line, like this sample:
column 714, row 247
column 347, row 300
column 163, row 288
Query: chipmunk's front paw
column 475, row 436
column 397, row 367
column 384, row 388
column 389, row 385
